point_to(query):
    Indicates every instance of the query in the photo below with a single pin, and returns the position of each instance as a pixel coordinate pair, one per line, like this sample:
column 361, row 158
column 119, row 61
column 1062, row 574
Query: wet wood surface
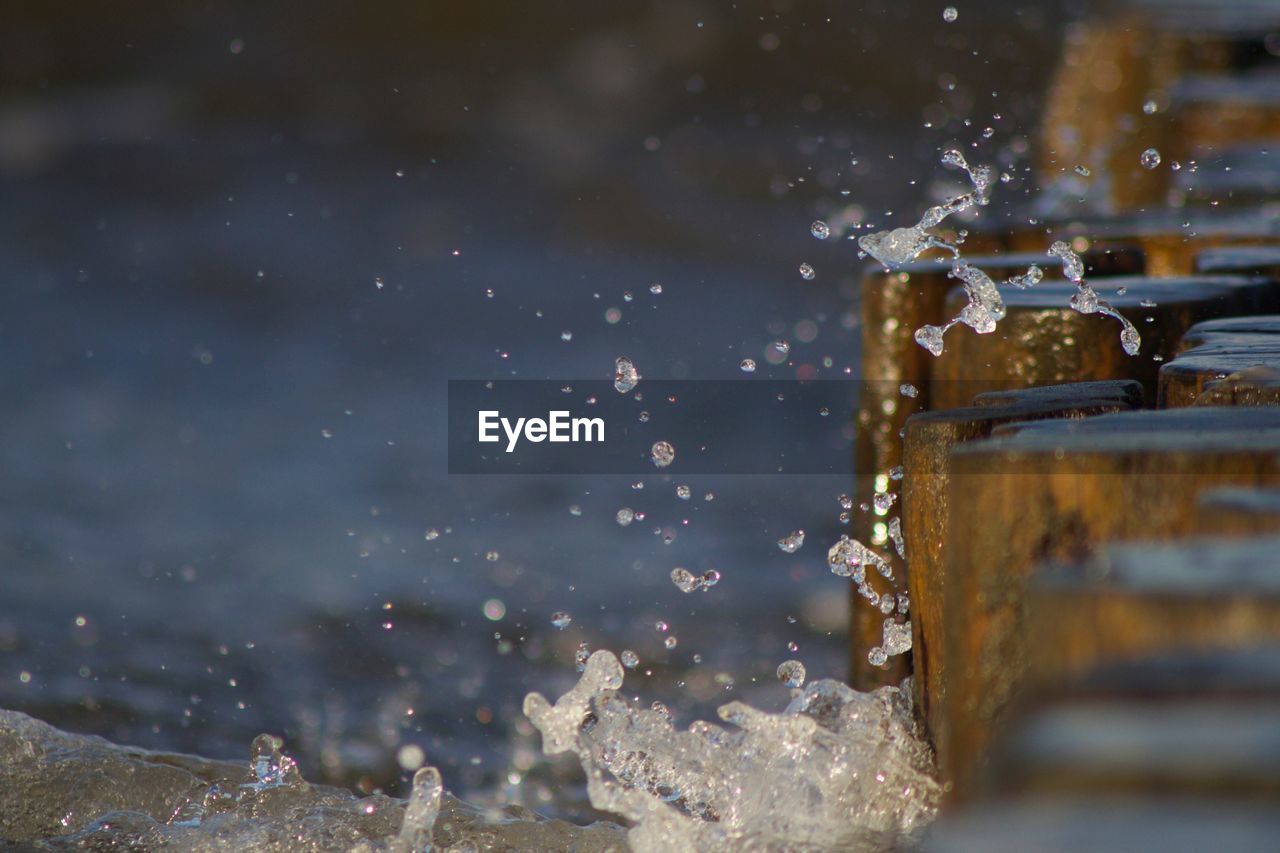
column 929, row 439
column 1232, row 361
column 893, row 305
column 1235, row 511
column 1042, row 340
column 1106, row 825
column 1138, row 599
column 1057, row 490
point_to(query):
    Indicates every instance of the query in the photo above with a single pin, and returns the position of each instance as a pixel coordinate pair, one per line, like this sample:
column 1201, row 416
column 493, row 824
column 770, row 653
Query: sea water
column 824, row 766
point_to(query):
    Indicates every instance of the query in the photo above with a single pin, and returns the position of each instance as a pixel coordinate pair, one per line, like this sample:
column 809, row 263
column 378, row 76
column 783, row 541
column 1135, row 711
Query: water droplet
column 1082, row 171
column 492, row 556
column 876, row 656
column 561, row 619
column 806, row 272
column 566, row 335
column 930, row 337
column 683, row 492
column 671, row 642
column 820, row 229
column 845, row 501
column 270, row 767
column 685, row 580
column 575, row 510
column 791, row 542
column 1149, row 158
column 906, row 389
column 897, row 638
column 782, row 347
column 431, row 534
column 748, row 365
column 377, row 282
column 950, row 14
column 625, row 375
column 883, row 501
column 625, row 516
column 581, row 656
column 1150, row 107
column 655, row 288
column 662, row 454
column 791, row 673
column 660, row 626
column 710, row 578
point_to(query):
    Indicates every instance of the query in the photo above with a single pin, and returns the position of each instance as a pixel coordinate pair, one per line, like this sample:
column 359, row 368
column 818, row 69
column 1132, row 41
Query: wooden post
column 1137, row 599
column 893, row 305
column 1169, row 239
column 1180, row 723
column 1232, row 511
column 1043, row 340
column 1232, row 361
column 930, row 437
column 1051, row 490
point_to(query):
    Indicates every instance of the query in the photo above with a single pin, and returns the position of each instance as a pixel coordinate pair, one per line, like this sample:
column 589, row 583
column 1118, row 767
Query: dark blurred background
column 243, row 247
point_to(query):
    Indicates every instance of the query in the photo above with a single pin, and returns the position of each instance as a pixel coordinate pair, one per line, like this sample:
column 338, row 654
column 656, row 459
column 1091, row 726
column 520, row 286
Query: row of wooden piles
column 1093, row 539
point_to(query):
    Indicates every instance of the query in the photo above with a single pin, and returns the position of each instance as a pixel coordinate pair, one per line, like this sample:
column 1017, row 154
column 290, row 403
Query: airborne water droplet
column 625, row 375
column 791, row 542
column 806, row 272
column 791, row 673
column 685, row 580
column 625, row 516
column 630, row 659
column 820, row 229
column 950, row 14
column 1150, row 158
column 748, row 365
column 662, row 454
column 561, row 619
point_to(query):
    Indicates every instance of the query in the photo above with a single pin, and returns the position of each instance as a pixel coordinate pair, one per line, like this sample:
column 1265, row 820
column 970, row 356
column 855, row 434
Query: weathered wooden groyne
column 1093, row 538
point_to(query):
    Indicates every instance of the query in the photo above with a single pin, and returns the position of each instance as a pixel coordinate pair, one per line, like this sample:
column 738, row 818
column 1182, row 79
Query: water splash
column 902, row 245
column 1085, row 299
column 835, row 769
column 985, row 307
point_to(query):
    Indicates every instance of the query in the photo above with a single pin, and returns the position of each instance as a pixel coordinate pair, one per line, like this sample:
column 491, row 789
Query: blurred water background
column 244, row 247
